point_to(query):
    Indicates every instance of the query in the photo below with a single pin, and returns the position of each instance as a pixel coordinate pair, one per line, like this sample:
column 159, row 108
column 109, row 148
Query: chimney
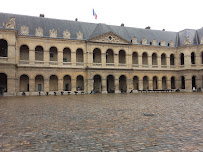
column 76, row 19
column 122, row 24
column 148, row 27
column 41, row 15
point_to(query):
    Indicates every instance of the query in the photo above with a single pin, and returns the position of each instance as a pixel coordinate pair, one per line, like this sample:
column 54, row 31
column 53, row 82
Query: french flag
column 94, row 14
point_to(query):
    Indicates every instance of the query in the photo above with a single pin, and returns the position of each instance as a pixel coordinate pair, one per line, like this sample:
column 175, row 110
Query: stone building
column 39, row 54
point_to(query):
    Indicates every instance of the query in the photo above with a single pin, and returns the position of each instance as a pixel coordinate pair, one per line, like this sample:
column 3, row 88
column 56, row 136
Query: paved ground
column 113, row 122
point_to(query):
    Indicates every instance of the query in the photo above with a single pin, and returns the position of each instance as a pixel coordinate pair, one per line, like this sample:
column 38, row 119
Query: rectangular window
column 64, row 60
column 51, row 55
column 39, row 87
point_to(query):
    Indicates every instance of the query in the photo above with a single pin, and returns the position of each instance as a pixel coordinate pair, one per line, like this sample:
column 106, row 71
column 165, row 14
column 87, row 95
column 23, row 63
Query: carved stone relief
column 187, row 40
column 53, row 33
column 144, row 41
column 39, row 31
column 171, row 43
column 163, row 43
column 134, row 40
column 11, row 24
column 24, row 30
column 66, row 34
column 201, row 41
column 153, row 42
column 79, row 35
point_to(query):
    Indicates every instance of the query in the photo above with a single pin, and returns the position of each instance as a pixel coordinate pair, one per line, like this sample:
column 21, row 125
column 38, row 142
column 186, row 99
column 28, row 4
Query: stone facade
column 104, row 64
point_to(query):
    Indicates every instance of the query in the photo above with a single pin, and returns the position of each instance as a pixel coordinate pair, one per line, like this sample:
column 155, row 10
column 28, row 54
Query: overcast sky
column 172, row 15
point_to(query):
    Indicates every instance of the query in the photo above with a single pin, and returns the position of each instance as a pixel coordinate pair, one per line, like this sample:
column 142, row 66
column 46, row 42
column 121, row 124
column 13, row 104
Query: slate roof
column 91, row 30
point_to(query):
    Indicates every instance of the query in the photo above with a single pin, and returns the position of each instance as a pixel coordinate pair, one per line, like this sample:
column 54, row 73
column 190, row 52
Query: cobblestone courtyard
column 112, row 122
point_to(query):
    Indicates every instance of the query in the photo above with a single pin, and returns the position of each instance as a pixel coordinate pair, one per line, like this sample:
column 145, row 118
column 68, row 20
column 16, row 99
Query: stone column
column 86, row 83
column 129, row 60
column 11, row 85
column 116, row 59
column 117, row 86
column 150, row 84
column 187, row 61
column 178, row 82
column 140, row 61
column 46, row 85
column 129, row 85
column 150, row 61
column 168, row 61
column 90, row 84
column 17, row 85
column 85, row 60
column 60, row 57
column 31, row 85
column 141, row 84
column 159, row 61
column 188, row 83
column 104, row 86
column 60, row 85
column 46, row 57
column 168, row 83
column 103, row 59
column 199, row 81
column 32, row 57
column 12, row 56
column 198, row 60
column 159, row 84
column 73, row 58
column 90, row 59
column 73, row 85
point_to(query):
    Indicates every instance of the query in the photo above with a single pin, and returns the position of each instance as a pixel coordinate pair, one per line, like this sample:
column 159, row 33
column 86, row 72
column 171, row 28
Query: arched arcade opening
column 97, row 84
column 122, row 83
column 110, row 84
column 3, row 83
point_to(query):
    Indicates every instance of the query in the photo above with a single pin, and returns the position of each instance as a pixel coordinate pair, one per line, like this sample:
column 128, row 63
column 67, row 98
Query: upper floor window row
column 152, row 42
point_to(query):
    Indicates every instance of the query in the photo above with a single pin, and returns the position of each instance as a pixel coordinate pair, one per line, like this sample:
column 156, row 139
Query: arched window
column 24, row 52
column 53, row 83
column 122, row 83
column 135, row 83
column 67, row 83
column 163, row 59
column 172, row 60
column 110, row 84
column 144, row 59
column 39, row 53
column 154, row 59
column 3, row 83
column 3, row 48
column 24, row 83
column 66, row 55
column 97, row 56
column 122, row 57
column 135, row 58
column 193, row 58
column 182, row 60
column 109, row 56
column 155, row 83
column 80, row 83
column 97, row 84
column 39, row 83
column 53, row 54
column 79, row 55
